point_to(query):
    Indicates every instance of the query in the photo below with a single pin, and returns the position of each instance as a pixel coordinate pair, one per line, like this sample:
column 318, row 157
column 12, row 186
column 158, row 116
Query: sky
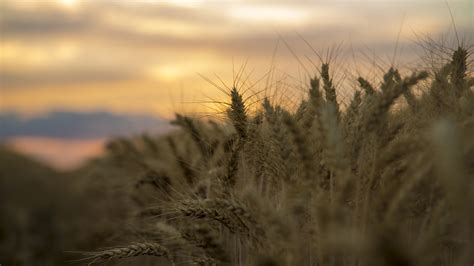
column 152, row 58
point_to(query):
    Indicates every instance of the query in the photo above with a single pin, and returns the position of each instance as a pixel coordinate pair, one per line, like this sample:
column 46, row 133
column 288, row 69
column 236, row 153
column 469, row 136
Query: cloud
column 76, row 125
column 43, row 22
column 53, row 77
column 48, row 47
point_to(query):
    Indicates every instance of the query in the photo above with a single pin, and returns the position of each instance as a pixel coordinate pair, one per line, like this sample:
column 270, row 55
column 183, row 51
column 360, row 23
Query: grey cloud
column 14, row 79
column 163, row 11
column 50, row 20
column 42, row 22
column 252, row 43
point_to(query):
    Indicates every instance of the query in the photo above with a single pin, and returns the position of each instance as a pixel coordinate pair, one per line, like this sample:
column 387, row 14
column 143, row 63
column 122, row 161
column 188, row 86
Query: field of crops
column 384, row 179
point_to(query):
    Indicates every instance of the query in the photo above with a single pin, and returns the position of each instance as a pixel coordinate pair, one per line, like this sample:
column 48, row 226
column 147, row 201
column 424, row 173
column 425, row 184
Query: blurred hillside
column 65, row 140
column 46, row 213
column 79, row 125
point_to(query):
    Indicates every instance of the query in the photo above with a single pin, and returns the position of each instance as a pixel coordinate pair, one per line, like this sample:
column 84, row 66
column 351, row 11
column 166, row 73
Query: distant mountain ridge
column 79, row 125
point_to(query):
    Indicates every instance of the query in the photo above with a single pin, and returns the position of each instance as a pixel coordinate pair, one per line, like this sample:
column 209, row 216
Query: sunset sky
column 146, row 57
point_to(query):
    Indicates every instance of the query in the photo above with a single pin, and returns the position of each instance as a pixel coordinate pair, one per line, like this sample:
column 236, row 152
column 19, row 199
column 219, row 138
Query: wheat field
column 385, row 180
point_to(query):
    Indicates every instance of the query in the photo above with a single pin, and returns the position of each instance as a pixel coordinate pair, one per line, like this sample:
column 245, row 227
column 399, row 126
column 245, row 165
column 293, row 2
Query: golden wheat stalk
column 133, row 250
